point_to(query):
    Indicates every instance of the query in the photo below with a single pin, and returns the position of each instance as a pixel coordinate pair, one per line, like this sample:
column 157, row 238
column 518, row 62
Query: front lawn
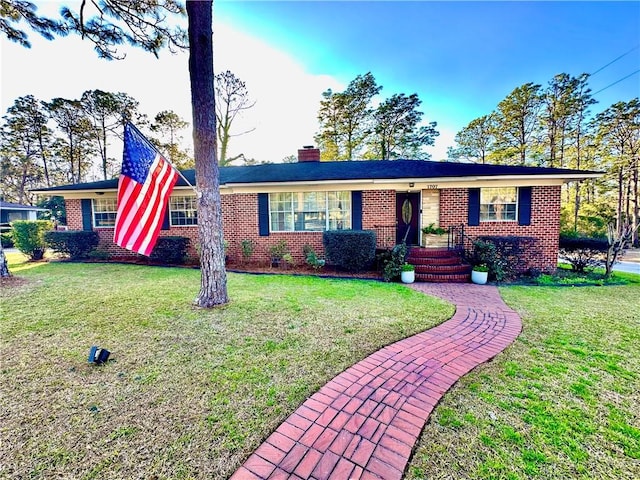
column 562, row 402
column 188, row 393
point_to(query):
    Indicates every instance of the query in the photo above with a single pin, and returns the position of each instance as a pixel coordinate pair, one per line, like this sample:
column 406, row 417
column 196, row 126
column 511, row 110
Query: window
column 183, row 211
column 104, row 212
column 498, row 204
column 309, row 211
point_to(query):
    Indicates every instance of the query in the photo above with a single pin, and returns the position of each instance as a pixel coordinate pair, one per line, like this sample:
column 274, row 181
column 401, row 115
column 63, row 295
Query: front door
column 407, row 213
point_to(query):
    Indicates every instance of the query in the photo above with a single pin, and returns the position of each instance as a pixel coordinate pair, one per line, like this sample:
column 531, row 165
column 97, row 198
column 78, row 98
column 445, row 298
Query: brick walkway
column 364, row 423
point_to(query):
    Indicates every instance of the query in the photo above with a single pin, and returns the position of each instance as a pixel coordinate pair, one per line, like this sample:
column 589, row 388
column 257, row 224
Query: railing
column 385, row 235
column 455, row 240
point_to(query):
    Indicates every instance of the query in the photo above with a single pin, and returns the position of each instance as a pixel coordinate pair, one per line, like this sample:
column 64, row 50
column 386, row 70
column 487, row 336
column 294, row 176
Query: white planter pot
column 479, row 277
column 408, row 277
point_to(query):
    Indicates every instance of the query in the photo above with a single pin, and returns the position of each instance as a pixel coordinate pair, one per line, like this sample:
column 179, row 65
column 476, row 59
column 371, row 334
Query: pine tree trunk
column 4, row 266
column 213, row 285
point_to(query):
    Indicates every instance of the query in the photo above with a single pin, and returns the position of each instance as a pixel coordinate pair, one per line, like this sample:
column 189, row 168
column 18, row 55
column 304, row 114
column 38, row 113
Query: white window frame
column 192, row 200
column 103, row 206
column 329, row 219
column 483, row 215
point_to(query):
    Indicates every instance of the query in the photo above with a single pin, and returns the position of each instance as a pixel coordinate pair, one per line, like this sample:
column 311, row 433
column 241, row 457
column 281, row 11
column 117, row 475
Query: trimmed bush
column 28, row 237
column 7, row 240
column 351, row 250
column 170, row 250
column 75, row 244
column 583, row 252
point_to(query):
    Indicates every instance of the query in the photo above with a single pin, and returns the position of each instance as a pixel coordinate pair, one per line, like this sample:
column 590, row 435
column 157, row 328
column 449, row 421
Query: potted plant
column 407, row 273
column 433, row 236
column 480, row 274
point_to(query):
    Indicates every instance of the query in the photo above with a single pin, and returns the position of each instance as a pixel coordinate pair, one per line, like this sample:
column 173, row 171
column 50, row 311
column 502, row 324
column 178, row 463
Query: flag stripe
column 141, row 206
column 145, row 202
column 146, row 239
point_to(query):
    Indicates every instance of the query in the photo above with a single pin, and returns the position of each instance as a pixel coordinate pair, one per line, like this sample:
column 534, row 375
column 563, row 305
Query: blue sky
column 462, row 58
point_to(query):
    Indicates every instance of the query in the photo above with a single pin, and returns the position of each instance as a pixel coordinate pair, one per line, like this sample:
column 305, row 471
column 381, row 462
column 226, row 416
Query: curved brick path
column 364, row 423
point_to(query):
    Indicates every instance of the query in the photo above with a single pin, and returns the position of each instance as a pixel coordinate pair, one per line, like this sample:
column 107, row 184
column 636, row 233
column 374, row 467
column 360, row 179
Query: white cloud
column 287, row 97
column 443, row 141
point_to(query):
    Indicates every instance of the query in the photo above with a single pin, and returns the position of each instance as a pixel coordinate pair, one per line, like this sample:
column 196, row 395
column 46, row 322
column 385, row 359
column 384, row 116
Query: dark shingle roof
column 356, row 170
column 18, row 206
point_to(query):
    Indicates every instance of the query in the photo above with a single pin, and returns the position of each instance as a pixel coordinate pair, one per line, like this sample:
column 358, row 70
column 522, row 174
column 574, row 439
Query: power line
column 617, row 81
column 615, row 60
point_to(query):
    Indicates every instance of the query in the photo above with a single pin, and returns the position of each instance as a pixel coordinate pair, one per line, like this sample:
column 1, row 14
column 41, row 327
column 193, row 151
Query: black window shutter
column 474, row 206
column 524, row 206
column 166, row 224
column 263, row 214
column 356, row 210
column 87, row 221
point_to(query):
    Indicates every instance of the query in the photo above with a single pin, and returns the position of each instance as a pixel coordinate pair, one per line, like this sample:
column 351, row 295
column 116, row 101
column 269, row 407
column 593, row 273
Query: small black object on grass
column 98, row 355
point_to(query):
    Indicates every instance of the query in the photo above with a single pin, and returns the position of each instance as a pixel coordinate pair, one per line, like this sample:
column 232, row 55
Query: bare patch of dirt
column 12, row 285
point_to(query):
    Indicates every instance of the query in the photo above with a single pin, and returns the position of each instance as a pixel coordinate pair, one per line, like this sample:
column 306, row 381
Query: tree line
column 47, row 143
column 351, row 128
column 552, row 126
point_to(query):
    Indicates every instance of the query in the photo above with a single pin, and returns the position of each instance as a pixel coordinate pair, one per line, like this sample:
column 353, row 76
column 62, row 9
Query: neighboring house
column 10, row 212
column 295, row 202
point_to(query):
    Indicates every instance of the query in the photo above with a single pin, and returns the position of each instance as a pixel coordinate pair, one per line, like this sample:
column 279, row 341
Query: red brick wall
column 74, row 213
column 545, row 222
column 240, row 218
column 240, row 222
column 379, row 214
column 74, row 222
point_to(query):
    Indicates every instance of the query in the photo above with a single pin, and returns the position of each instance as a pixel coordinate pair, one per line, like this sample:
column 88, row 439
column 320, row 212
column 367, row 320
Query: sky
column 461, row 58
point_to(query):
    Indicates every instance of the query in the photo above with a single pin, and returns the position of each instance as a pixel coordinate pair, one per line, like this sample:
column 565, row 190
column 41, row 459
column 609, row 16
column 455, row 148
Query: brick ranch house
column 295, row 202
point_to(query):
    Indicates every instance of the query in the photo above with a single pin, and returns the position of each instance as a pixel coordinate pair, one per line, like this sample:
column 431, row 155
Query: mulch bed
column 327, row 271
column 253, row 268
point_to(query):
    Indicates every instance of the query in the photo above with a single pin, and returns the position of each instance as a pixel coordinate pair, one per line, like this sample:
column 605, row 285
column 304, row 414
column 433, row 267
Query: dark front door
column 407, row 211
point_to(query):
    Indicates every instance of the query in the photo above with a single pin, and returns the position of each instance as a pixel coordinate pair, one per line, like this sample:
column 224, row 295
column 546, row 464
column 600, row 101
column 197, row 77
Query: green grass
column 189, row 393
column 561, row 402
column 564, row 276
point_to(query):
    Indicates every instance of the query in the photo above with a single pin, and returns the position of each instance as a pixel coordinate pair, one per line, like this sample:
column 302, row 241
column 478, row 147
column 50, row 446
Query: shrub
column 311, row 257
column 393, row 262
column 7, row 240
column 583, row 252
column 278, row 251
column 352, row 250
column 503, row 255
column 247, row 246
column 431, row 229
column 28, row 237
column 76, row 244
column 99, row 255
column 170, row 250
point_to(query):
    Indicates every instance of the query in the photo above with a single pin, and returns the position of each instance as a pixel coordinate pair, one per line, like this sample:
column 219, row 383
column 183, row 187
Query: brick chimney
column 308, row 154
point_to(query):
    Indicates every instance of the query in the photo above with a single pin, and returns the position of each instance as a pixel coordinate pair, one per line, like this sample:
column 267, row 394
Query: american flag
column 146, row 181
